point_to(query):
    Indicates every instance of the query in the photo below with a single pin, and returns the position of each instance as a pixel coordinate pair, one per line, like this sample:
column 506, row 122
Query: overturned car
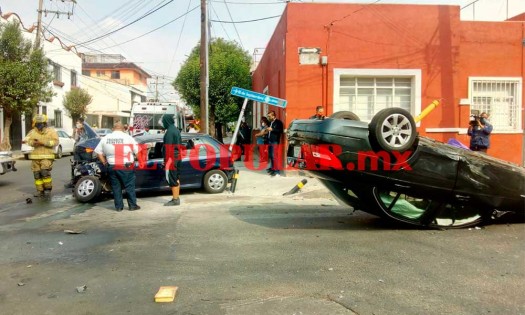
column 386, row 169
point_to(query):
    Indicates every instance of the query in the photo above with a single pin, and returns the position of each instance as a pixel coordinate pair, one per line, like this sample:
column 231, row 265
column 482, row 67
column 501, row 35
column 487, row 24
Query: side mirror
column 190, row 145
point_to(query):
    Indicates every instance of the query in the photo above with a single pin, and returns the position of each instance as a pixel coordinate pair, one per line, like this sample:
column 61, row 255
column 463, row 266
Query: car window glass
column 155, row 150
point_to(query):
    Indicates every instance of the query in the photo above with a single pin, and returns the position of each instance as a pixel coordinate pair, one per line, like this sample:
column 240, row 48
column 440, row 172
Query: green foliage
column 229, row 66
column 24, row 77
column 76, row 102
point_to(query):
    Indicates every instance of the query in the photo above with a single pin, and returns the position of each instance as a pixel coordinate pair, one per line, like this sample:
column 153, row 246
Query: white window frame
column 413, row 74
column 518, row 103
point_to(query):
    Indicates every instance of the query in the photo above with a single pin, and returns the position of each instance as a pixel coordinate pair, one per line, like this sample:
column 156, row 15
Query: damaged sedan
column 384, row 168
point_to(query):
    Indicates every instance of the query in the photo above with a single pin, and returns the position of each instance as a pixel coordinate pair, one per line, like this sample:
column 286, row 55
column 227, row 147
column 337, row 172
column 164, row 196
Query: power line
column 233, row 2
column 344, row 17
column 153, row 30
column 234, row 26
column 223, row 28
column 180, row 35
column 120, row 28
column 247, row 21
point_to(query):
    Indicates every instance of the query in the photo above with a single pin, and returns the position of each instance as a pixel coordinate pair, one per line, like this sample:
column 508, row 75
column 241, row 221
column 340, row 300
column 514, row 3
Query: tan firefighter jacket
column 48, row 137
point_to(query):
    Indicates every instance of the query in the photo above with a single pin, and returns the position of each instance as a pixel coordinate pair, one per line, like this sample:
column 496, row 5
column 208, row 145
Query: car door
column 194, row 162
column 152, row 174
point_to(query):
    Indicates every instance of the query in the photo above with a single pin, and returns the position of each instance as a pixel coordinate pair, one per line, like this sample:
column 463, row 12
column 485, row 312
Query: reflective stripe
column 39, row 182
column 47, row 180
column 42, row 156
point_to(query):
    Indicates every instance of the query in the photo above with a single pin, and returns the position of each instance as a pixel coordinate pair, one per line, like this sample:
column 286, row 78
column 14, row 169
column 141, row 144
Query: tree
column 229, row 66
column 24, row 77
column 76, row 102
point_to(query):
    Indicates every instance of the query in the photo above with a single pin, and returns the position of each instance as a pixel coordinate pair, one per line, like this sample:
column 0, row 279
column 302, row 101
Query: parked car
column 65, row 145
column 7, row 162
column 204, row 166
column 385, row 168
column 102, row 132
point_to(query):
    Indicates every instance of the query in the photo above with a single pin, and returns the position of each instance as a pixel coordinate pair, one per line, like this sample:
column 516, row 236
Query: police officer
column 43, row 139
column 116, row 151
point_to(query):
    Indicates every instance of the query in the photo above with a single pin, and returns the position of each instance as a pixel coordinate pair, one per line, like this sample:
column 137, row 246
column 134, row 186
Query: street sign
column 258, row 97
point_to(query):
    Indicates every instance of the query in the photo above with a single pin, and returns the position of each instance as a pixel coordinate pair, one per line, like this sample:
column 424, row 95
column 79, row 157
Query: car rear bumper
column 7, row 164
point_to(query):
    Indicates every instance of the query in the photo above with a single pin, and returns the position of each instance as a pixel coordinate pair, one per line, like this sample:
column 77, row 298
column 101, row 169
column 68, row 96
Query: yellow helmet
column 40, row 118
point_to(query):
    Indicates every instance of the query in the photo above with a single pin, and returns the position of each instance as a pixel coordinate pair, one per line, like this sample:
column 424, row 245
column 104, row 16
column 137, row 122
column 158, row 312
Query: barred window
column 367, row 91
column 500, row 98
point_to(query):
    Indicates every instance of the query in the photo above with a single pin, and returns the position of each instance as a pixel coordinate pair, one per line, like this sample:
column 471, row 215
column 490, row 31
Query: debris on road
column 166, row 294
column 73, row 231
column 82, row 289
column 21, row 284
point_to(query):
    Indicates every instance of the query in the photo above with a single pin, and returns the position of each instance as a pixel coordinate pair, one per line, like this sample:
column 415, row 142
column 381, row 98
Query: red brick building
column 364, row 58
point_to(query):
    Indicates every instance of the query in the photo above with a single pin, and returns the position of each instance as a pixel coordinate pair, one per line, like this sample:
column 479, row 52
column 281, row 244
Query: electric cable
column 234, row 26
column 120, row 28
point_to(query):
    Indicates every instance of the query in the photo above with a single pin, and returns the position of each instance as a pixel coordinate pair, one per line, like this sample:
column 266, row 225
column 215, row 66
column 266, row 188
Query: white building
column 111, row 101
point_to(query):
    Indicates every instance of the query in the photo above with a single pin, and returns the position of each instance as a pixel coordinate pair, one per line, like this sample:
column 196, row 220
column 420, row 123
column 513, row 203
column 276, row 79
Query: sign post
column 254, row 96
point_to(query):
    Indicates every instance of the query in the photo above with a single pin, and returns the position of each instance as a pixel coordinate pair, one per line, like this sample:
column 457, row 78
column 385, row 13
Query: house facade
column 363, row 58
column 114, row 84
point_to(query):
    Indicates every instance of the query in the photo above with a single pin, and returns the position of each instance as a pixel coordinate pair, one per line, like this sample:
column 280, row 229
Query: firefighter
column 43, row 139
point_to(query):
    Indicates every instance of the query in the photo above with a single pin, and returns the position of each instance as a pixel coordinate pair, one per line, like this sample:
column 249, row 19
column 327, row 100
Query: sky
column 161, row 52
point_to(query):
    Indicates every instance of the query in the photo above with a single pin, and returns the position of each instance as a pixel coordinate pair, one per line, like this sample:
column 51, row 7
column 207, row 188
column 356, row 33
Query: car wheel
column 215, row 181
column 345, row 115
column 392, row 129
column 425, row 212
column 58, row 155
column 88, row 189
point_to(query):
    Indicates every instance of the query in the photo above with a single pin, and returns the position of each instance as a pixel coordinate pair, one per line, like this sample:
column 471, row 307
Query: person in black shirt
column 319, row 113
column 275, row 130
column 172, row 157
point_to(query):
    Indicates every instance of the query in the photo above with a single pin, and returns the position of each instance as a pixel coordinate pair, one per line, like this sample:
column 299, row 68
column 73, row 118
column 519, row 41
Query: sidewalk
column 257, row 183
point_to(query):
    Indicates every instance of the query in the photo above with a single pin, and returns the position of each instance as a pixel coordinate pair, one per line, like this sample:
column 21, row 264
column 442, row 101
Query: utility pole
column 204, row 68
column 157, row 89
column 39, row 22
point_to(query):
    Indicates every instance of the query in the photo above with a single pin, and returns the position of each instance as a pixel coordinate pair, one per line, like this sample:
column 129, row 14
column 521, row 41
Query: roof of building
column 115, row 66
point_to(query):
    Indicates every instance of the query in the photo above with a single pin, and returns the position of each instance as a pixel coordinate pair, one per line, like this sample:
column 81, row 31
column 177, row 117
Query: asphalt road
column 252, row 252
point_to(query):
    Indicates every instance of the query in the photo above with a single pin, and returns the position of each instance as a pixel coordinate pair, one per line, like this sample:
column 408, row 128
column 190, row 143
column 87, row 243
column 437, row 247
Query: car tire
column 26, row 156
column 345, row 115
column 215, row 181
column 392, row 129
column 87, row 189
column 59, row 154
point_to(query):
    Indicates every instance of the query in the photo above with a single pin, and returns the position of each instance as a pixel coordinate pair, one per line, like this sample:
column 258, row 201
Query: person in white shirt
column 116, row 151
